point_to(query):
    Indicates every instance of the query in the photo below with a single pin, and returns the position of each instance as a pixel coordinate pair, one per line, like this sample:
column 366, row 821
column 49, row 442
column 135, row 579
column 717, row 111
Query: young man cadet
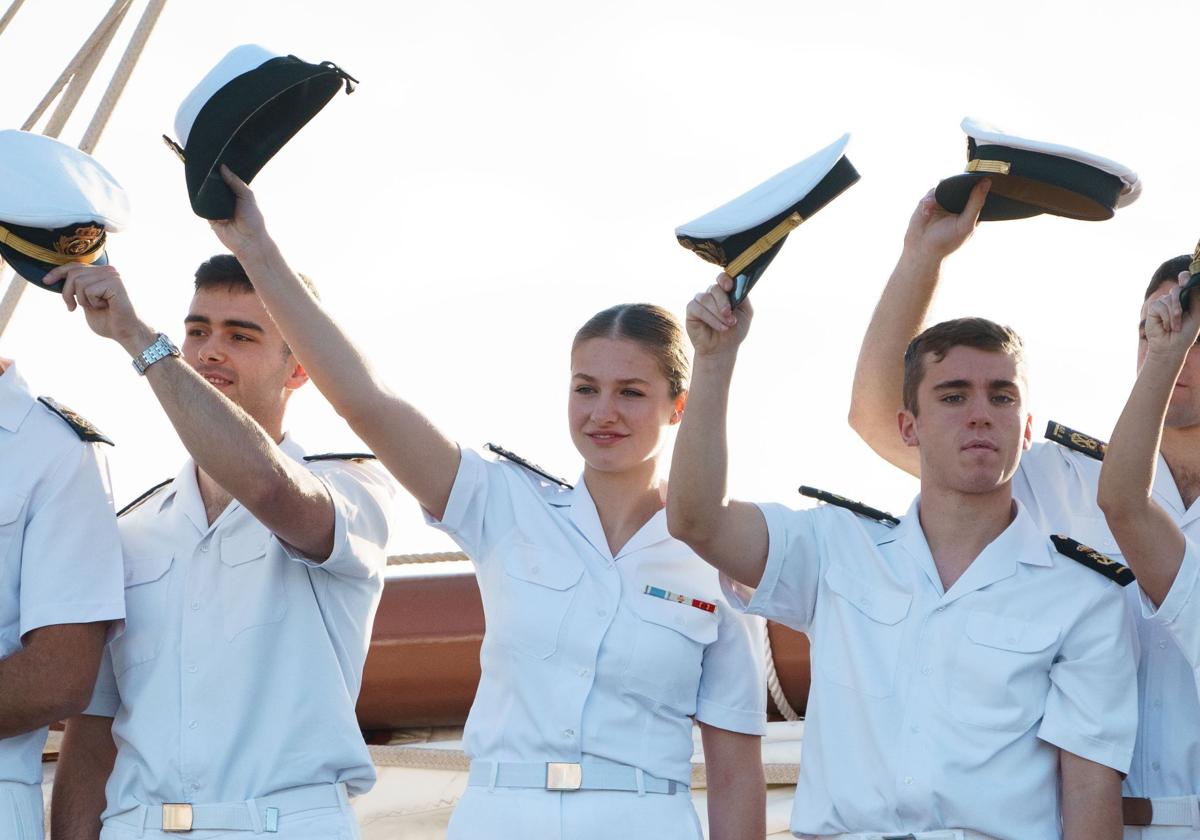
column 1058, row 485
column 956, row 686
column 1165, row 560
column 60, row 556
column 251, row 585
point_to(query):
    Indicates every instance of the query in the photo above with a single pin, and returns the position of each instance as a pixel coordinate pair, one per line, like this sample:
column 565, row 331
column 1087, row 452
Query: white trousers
column 21, row 814
column 519, row 813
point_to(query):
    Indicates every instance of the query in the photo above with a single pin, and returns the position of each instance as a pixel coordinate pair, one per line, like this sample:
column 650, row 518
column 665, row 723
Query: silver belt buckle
column 176, row 816
column 563, row 775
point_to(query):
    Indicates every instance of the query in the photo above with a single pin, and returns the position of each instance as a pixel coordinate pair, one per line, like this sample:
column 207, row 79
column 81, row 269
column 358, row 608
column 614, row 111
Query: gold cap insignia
column 706, row 249
column 83, row 241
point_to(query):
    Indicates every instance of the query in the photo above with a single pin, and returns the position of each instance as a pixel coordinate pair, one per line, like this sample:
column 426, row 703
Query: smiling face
column 971, row 424
column 232, row 342
column 1183, row 410
column 620, row 406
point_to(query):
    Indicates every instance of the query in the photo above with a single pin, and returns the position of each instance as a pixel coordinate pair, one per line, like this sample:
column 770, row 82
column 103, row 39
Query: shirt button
column 928, row 669
column 940, row 609
column 535, row 568
column 908, row 780
column 191, row 669
column 568, row 733
column 195, row 605
column 1156, row 766
column 1158, row 704
column 583, row 672
column 192, row 725
column 1162, row 644
column 602, row 612
column 914, row 729
column 195, row 786
column 204, row 549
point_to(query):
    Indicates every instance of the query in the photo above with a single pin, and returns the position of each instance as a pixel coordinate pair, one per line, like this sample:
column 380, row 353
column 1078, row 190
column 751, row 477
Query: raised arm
column 932, row 235
column 732, row 536
column 1149, row 538
column 225, row 441
column 420, row 457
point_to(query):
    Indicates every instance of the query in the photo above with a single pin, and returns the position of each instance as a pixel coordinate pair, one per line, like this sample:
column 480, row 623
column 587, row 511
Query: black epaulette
column 86, row 431
column 341, row 456
column 1093, row 559
column 144, row 497
column 1078, row 441
column 857, row 507
column 532, row 467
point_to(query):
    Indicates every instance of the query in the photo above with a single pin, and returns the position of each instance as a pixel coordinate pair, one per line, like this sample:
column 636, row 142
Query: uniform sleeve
column 105, row 697
column 363, row 498
column 1179, row 612
column 477, row 485
column 71, row 566
column 733, row 691
column 787, row 592
column 1092, row 707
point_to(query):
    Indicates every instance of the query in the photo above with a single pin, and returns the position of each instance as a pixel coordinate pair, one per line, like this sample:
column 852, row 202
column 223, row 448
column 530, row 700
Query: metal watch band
column 159, row 350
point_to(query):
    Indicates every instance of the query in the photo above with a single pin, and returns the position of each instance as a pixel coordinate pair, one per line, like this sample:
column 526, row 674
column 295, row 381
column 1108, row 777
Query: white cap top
column 768, row 199
column 237, row 61
column 47, row 184
column 985, row 134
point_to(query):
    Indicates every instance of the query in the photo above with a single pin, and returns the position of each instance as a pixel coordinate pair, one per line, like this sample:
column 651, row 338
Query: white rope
column 10, row 14
column 433, row 557
column 773, row 685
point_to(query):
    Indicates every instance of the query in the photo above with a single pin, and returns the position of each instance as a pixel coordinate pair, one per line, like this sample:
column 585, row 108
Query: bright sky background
column 507, row 169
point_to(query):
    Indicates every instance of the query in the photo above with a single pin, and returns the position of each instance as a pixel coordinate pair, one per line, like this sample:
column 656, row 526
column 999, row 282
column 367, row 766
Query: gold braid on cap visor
column 46, row 255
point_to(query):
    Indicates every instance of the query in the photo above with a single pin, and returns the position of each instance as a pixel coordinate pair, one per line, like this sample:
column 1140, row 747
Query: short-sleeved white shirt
column 241, row 660
column 1179, row 613
column 1059, row 486
column 578, row 659
column 932, row 709
column 60, row 557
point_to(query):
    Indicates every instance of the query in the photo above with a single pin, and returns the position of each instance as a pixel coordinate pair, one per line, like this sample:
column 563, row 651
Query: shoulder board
column 856, row 507
column 529, row 465
column 1078, row 441
column 85, row 430
column 144, row 497
column 341, row 456
column 1093, row 559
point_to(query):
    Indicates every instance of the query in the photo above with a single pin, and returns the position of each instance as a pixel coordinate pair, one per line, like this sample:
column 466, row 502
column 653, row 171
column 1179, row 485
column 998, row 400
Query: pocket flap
column 146, row 568
column 243, row 546
column 886, row 606
column 528, row 563
column 1010, row 634
column 11, row 506
column 697, row 624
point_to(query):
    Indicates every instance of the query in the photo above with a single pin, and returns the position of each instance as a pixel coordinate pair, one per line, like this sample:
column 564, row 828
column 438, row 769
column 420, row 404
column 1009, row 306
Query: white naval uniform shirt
column 933, row 709
column 241, row 660
column 1059, row 487
column 60, row 557
column 577, row 658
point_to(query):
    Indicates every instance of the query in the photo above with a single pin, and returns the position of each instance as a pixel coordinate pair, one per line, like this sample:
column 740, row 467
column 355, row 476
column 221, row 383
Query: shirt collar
column 16, row 399
column 582, row 513
column 1020, row 542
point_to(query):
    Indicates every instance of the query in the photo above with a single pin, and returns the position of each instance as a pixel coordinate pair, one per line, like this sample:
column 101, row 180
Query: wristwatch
column 159, row 350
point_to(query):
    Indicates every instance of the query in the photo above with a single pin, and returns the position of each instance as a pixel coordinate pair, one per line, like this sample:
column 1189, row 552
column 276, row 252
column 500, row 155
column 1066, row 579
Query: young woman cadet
column 593, row 666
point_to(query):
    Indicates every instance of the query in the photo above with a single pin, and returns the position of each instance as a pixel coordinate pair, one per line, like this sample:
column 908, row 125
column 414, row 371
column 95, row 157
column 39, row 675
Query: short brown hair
column 650, row 326
column 1168, row 271
column 940, row 339
column 223, row 271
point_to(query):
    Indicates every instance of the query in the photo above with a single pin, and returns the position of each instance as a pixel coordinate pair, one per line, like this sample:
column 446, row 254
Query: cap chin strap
column 764, row 244
column 46, row 255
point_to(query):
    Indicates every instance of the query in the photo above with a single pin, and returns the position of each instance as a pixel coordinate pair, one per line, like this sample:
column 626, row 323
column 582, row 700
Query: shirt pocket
column 858, row 643
column 146, row 585
column 537, row 588
column 1001, row 673
column 253, row 587
column 666, row 661
column 11, row 505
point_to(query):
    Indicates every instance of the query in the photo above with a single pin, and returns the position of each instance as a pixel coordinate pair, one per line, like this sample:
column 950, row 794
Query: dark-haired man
column 1058, row 485
column 251, row 584
column 956, row 687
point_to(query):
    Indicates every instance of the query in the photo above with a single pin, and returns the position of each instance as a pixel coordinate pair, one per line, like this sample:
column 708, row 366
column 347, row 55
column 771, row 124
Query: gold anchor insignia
column 705, row 249
column 82, row 242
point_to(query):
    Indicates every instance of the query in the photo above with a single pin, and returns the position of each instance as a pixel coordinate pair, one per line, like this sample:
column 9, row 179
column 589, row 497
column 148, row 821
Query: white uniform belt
column 258, row 815
column 936, row 834
column 1162, row 810
column 594, row 774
